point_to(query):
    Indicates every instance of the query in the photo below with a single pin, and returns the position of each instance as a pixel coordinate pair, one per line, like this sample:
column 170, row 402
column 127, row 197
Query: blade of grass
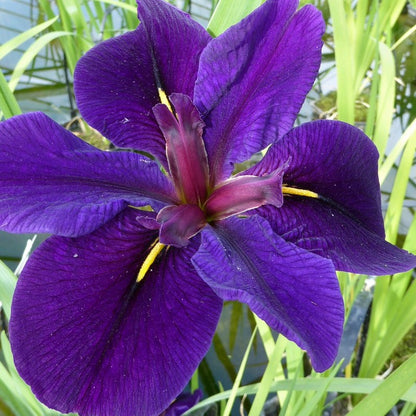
column 388, row 163
column 384, row 397
column 7, row 284
column 8, row 103
column 386, row 98
column 240, row 373
column 268, row 376
column 344, row 59
column 266, row 336
column 122, row 5
column 230, row 12
column 338, row 384
column 313, row 402
column 15, row 42
column 30, row 53
column 408, row 409
column 398, row 193
column 291, row 389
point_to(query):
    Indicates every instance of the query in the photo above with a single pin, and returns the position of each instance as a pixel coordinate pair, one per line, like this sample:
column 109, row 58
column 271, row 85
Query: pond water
column 44, row 88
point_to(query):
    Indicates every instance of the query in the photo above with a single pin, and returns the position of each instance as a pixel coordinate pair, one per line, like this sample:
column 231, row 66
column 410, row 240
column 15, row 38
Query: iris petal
column 87, row 338
column 176, row 41
column 335, row 160
column 325, row 230
column 253, row 79
column 51, row 181
column 115, row 82
column 294, row 291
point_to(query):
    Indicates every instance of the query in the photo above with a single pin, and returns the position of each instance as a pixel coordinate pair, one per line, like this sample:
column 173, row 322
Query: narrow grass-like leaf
column 384, row 338
column 384, row 397
column 386, row 98
column 344, row 58
column 15, row 42
column 402, row 38
column 268, row 376
column 122, row 5
column 9, row 393
column 313, row 402
column 266, row 336
column 408, row 134
column 398, row 193
column 236, row 385
column 195, row 381
column 31, row 52
column 408, row 409
column 230, row 12
column 293, row 380
column 7, row 285
column 8, row 103
column 338, row 384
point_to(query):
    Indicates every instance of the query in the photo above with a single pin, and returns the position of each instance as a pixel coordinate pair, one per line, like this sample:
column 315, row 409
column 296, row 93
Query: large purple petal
column 335, row 160
column 294, row 291
column 176, row 42
column 116, row 81
column 51, row 181
column 253, row 79
column 88, row 338
column 323, row 229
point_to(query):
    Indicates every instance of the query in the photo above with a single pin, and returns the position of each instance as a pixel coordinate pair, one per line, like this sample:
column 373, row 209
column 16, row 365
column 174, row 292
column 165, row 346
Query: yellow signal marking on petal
column 300, row 192
column 149, row 260
column 164, row 99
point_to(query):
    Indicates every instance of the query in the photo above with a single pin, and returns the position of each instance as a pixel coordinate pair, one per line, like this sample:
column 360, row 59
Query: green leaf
column 30, row 54
column 230, row 12
column 15, row 42
column 384, row 397
column 8, row 103
column 7, row 285
column 268, row 376
column 240, row 373
column 338, row 384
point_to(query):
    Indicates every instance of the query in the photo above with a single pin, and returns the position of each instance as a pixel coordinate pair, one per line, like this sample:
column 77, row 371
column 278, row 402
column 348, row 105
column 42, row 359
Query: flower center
column 182, row 127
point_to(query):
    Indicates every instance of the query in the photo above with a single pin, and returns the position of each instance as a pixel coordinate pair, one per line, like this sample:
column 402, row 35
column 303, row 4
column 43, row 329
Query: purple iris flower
column 114, row 312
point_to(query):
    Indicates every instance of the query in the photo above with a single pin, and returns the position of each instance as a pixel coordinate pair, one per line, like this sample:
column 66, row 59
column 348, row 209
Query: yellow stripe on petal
column 149, row 260
column 300, row 192
column 164, row 99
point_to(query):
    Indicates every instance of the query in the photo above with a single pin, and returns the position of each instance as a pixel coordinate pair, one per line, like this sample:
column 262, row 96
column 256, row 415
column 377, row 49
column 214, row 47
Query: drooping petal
column 323, row 229
column 295, row 292
column 51, row 181
column 253, row 79
column 115, row 82
column 88, row 338
column 335, row 160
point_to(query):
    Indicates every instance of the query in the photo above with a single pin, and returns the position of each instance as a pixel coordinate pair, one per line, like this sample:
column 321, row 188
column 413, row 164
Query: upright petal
column 295, row 292
column 116, row 82
column 185, row 150
column 335, row 160
column 51, row 181
column 88, row 338
column 176, row 42
column 253, row 79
